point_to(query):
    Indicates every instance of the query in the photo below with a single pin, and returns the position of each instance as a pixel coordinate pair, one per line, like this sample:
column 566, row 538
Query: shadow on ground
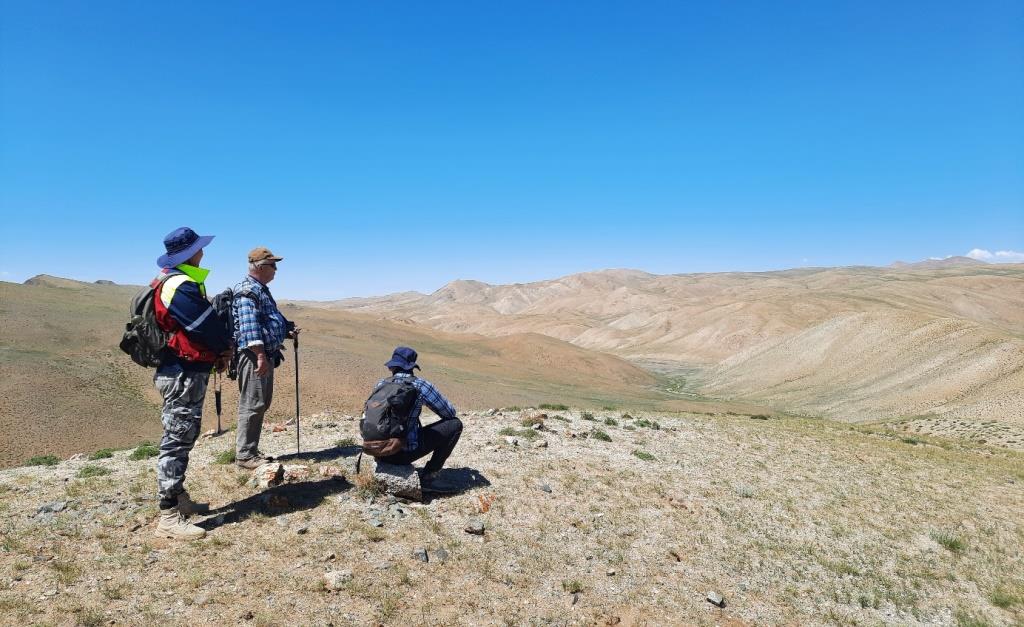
column 454, row 481
column 322, row 455
column 282, row 499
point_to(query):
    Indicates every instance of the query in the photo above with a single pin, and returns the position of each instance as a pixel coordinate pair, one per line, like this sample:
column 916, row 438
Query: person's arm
column 250, row 336
column 198, row 318
column 436, row 401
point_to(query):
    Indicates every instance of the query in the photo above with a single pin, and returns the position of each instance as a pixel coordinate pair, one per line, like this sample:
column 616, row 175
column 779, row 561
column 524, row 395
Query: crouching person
column 198, row 343
column 391, row 426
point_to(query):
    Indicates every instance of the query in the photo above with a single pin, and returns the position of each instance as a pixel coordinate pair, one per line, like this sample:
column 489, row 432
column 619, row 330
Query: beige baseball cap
column 261, row 253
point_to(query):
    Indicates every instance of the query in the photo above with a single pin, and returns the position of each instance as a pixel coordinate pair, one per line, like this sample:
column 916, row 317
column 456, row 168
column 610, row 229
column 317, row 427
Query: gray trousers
column 181, row 416
column 254, row 397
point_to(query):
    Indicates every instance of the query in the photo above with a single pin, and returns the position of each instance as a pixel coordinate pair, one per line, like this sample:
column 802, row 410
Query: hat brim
column 403, row 364
column 169, row 261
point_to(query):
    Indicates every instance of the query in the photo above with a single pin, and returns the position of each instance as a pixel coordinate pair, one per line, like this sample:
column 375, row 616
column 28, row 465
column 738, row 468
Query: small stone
column 714, row 598
column 336, row 579
column 545, row 488
column 296, row 473
column 440, row 556
column 268, row 475
column 610, row 572
column 282, row 521
column 303, row 530
column 248, row 615
column 382, row 565
column 332, row 471
column 376, row 522
column 210, row 433
column 52, row 507
column 475, row 527
column 278, row 428
column 420, row 553
column 540, row 444
column 77, row 457
column 135, row 528
column 511, row 440
column 330, row 557
column 201, row 599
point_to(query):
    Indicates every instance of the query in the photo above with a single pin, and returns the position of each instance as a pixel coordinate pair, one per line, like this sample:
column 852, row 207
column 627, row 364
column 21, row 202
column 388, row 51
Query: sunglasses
column 272, row 264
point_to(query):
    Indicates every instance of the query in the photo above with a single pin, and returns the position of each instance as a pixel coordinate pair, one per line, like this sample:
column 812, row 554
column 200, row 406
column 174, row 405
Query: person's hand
column 262, row 365
column 293, row 333
column 221, row 364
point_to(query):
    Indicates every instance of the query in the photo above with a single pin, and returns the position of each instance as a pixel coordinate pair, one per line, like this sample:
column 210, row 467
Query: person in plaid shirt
column 260, row 331
column 439, row 437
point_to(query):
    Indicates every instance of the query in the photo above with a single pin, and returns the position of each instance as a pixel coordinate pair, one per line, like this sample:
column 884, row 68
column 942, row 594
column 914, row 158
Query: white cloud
column 1000, row 256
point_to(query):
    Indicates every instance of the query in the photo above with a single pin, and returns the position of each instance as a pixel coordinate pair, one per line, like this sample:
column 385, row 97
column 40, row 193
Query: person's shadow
column 452, row 482
column 283, row 499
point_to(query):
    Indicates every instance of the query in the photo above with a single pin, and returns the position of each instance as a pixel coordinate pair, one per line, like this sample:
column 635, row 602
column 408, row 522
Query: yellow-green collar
column 195, row 273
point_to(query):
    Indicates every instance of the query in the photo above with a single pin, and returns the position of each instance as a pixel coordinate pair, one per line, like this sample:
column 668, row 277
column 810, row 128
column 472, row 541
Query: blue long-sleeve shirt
column 429, row 395
column 258, row 321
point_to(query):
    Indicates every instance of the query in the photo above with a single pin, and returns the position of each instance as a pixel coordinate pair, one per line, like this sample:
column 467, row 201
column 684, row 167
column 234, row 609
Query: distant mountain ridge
column 719, row 321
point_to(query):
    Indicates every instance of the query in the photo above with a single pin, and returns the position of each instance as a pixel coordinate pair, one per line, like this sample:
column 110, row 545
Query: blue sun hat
column 404, row 358
column 181, row 244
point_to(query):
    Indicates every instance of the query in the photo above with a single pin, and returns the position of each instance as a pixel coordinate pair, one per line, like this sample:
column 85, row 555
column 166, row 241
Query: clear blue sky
column 385, row 146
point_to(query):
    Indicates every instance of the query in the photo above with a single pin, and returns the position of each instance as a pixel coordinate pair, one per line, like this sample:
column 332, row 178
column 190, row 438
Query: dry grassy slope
column 795, row 522
column 782, row 322
column 66, row 387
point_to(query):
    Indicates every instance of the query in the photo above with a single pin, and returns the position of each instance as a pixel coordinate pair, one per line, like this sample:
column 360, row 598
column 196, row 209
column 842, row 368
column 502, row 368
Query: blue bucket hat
column 404, row 358
column 181, row 244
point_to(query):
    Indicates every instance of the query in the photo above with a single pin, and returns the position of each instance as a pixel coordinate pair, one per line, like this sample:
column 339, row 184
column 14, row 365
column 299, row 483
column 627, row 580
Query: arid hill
column 67, row 388
column 859, row 343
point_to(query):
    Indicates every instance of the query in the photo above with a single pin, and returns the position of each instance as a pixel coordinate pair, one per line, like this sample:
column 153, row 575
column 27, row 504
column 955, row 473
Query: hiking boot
column 187, row 506
column 251, row 463
column 174, row 526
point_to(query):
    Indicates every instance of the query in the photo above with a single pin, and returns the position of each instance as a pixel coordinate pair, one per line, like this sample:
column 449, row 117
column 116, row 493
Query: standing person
column 260, row 331
column 199, row 343
column 438, row 438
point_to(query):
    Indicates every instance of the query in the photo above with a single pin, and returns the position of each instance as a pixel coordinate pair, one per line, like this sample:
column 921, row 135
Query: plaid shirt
column 257, row 323
column 434, row 400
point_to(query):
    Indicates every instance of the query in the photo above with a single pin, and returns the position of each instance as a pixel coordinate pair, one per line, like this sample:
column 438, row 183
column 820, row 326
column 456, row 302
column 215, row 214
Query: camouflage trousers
column 182, row 413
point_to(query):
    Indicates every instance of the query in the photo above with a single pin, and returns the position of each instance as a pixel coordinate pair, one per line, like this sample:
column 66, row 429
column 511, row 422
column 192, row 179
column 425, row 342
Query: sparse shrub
column 512, row 408
column 629, row 428
column 965, row 618
column 560, row 417
column 1004, row 599
column 587, row 416
column 368, row 486
column 745, row 491
column 911, row 440
column 650, row 424
column 573, row 586
column 103, row 453
column 529, row 434
column 91, row 470
column 608, row 408
column 759, row 417
column 225, row 457
column 145, row 450
column 43, row 460
column 611, row 422
column 644, row 455
column 554, row 406
column 529, row 421
column 952, row 542
column 626, row 417
column 345, row 443
column 67, row 572
column 597, row 434
column 114, row 593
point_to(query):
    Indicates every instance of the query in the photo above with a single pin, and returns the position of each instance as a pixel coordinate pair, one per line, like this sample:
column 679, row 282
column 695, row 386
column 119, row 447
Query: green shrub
column 759, row 417
column 225, row 457
column 611, row 422
column 560, row 417
column 145, row 450
column 626, row 417
column 1003, row 599
column 572, row 587
column 529, row 434
column 587, row 415
column 43, row 460
column 531, row 420
column 554, row 406
column 644, row 455
column 342, row 443
column 512, row 408
column 90, row 470
column 103, row 453
column 911, row 440
column 952, row 542
column 608, row 408
column 597, row 434
column 650, row 424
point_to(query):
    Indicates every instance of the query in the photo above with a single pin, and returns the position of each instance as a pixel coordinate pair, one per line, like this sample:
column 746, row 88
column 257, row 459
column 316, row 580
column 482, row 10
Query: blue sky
column 381, row 147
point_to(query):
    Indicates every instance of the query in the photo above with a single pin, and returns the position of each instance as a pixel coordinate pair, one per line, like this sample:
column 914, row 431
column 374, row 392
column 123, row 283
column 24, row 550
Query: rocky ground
column 563, row 519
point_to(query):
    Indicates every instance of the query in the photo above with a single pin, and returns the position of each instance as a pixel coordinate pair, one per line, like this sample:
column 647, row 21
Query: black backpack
column 144, row 341
column 388, row 409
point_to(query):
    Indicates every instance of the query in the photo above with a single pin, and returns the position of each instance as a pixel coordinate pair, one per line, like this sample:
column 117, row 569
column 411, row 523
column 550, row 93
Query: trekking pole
column 295, row 345
column 216, row 398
